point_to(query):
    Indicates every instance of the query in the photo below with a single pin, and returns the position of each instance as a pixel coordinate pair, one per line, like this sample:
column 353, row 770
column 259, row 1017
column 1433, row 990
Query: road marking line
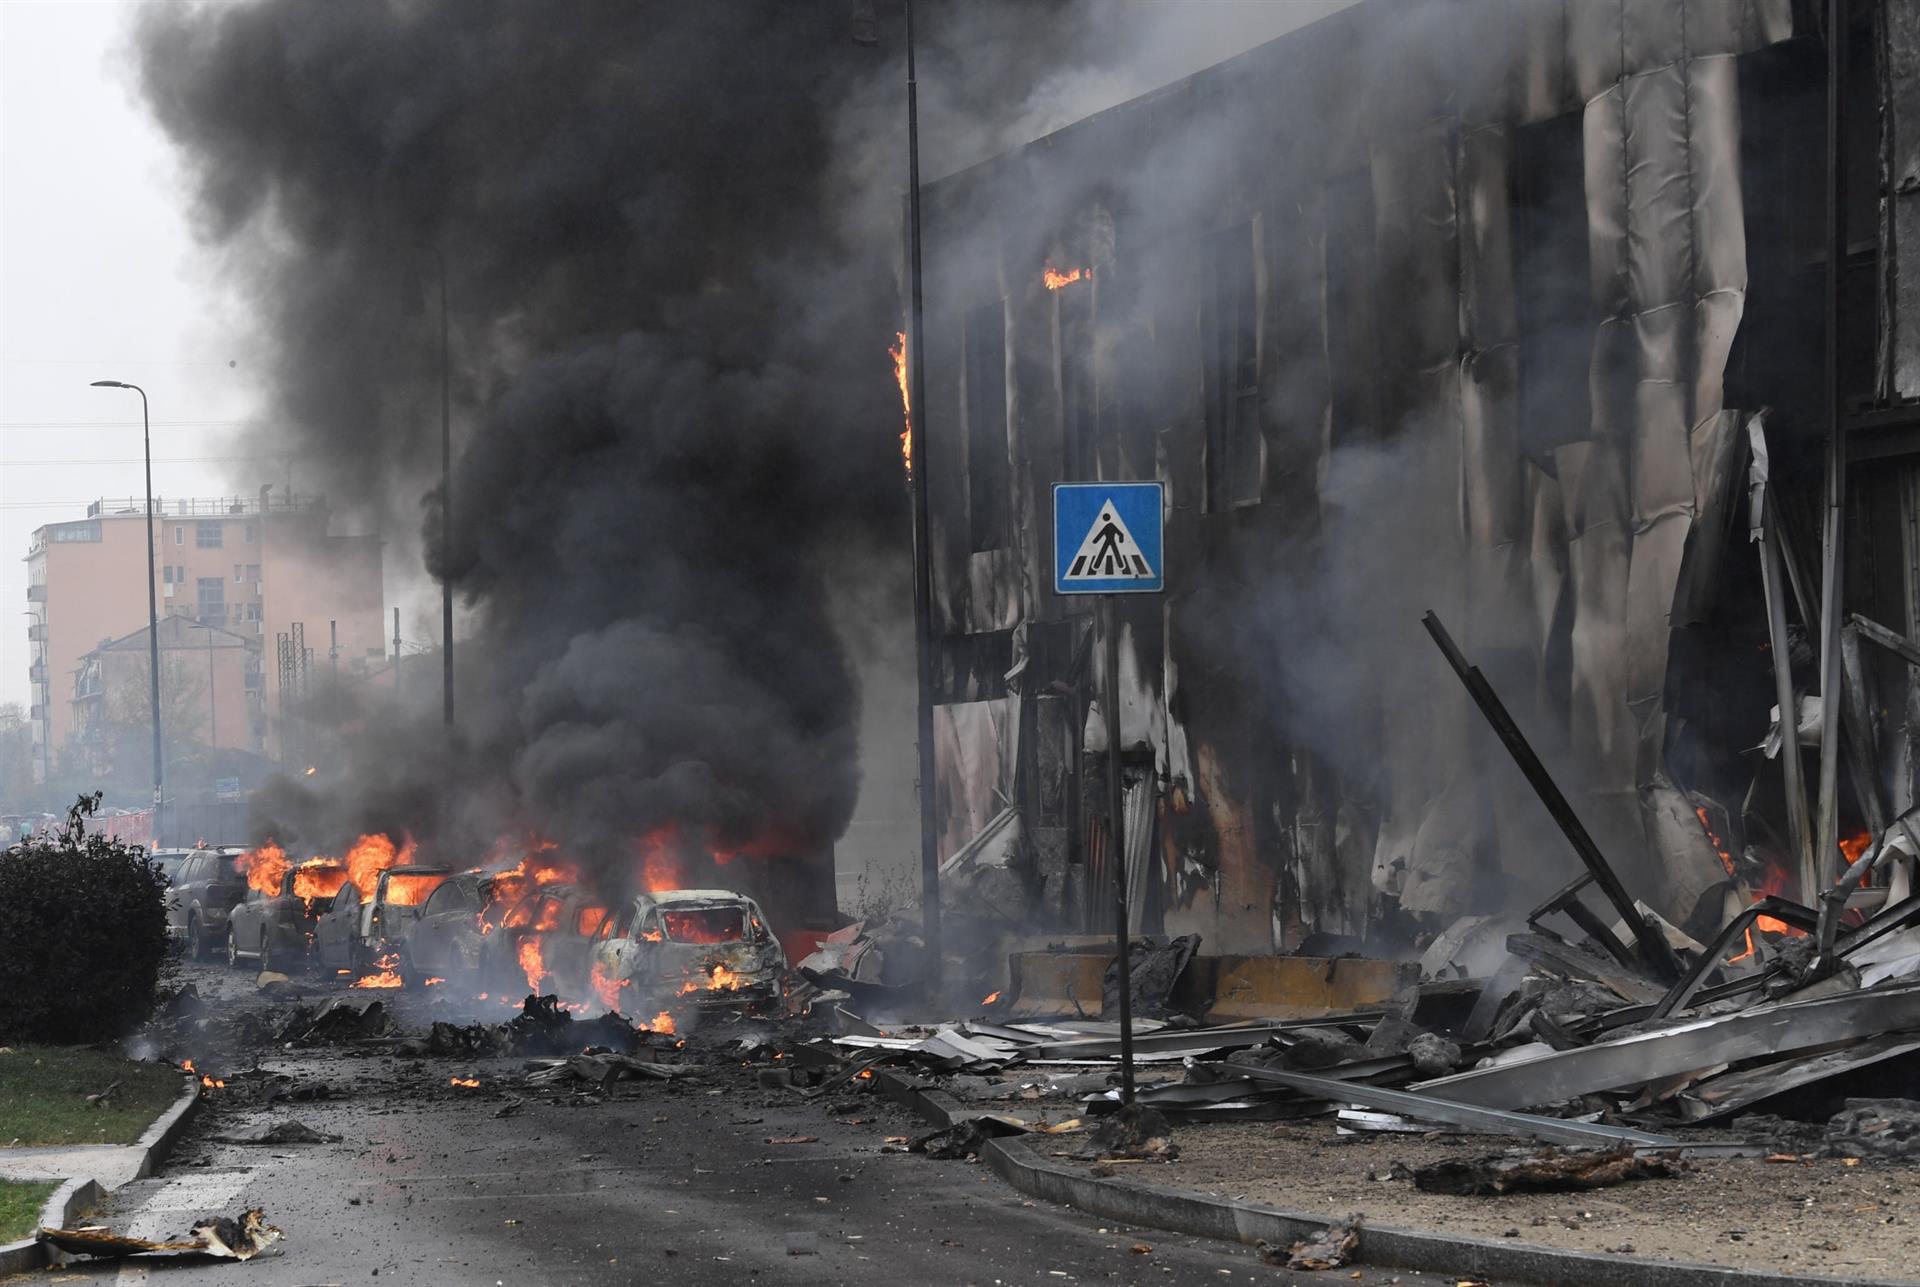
column 194, row 1196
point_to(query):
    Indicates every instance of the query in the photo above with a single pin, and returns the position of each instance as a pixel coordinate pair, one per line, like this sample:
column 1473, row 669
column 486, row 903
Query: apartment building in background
column 267, row 570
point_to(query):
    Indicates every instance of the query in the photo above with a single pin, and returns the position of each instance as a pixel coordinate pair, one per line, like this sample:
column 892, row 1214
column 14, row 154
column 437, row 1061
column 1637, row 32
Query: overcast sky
column 99, row 279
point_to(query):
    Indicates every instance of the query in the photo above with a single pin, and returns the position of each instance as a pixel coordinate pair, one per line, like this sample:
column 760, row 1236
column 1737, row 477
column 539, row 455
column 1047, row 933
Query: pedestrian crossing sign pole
column 1108, row 539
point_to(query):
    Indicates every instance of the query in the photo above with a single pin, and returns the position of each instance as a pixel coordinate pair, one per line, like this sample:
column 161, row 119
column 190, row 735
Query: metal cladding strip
column 1631, row 1061
column 1491, row 1120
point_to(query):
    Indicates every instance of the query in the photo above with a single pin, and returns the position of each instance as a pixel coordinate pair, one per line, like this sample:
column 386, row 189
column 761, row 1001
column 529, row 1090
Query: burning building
column 1499, row 309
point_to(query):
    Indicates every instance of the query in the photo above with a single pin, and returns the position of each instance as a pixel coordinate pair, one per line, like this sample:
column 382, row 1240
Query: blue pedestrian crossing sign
column 1107, row 538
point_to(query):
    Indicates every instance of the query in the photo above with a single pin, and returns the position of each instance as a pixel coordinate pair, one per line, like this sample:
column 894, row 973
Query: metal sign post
column 1108, row 540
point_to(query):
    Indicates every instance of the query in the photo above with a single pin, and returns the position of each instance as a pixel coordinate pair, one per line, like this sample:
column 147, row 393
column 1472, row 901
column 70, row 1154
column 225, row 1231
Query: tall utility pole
column 1818, row 869
column 153, row 599
column 922, row 547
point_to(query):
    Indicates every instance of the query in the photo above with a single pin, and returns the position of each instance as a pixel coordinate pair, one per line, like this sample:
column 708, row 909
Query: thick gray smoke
column 673, row 398
column 669, row 240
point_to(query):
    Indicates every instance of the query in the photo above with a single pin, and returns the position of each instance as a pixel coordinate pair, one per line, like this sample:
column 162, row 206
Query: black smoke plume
column 674, row 408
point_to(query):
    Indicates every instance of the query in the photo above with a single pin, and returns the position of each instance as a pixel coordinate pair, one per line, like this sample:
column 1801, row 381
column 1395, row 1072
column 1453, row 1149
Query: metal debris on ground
column 285, row 1132
column 214, row 1237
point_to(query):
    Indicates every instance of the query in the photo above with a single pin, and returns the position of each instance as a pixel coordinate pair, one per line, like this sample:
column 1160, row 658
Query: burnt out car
column 204, row 889
column 544, row 942
column 353, row 933
column 276, row 926
column 444, row 941
column 707, row 947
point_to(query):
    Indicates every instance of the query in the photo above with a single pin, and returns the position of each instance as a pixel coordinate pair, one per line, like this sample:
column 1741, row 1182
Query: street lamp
column 153, row 602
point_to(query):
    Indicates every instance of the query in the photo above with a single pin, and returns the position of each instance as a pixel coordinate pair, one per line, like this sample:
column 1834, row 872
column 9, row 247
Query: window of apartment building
column 253, row 573
column 1230, row 349
column 1353, row 342
column 1078, row 409
column 1553, row 296
column 246, row 612
column 249, row 532
column 988, row 501
column 213, row 600
column 207, row 534
column 75, row 532
column 179, row 534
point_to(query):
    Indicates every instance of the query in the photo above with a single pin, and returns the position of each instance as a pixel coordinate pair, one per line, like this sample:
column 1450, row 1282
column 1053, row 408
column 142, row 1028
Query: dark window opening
column 1353, row 343
column 1231, row 353
column 1078, row 408
column 1552, row 287
column 213, row 601
column 988, row 502
column 207, row 535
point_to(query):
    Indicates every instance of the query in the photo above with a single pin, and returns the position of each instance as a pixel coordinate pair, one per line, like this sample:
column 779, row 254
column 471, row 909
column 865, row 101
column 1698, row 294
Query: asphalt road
column 661, row 1182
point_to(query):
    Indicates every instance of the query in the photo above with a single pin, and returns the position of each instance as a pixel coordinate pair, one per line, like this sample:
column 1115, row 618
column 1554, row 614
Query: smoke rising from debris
column 667, row 237
column 664, row 411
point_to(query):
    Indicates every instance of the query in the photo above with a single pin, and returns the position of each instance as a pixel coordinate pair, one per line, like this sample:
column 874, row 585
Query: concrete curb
column 160, row 1137
column 1200, row 1215
column 81, row 1193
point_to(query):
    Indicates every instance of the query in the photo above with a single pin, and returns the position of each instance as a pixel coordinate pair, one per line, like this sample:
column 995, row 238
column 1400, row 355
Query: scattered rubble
column 1331, row 1248
column 1548, row 1171
column 285, row 1132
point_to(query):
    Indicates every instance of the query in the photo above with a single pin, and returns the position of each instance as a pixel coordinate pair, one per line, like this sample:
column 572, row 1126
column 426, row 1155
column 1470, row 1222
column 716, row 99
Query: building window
column 988, row 502
column 236, row 572
column 1231, row 354
column 253, row 572
column 213, row 601
column 166, row 573
column 249, row 532
column 1078, row 409
column 206, row 535
column 75, row 532
column 1552, row 294
column 179, row 534
column 246, row 612
column 1353, row 342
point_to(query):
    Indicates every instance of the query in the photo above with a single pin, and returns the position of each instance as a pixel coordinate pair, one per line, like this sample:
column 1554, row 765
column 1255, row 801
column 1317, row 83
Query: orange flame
column 663, row 1022
column 386, row 977
column 898, row 352
column 721, row 979
column 530, row 963
column 990, row 998
column 264, row 867
column 373, row 854
column 318, row 878
column 1713, row 837
column 659, row 864
column 608, row 990
column 465, row 1083
column 1053, row 279
column 212, row 1083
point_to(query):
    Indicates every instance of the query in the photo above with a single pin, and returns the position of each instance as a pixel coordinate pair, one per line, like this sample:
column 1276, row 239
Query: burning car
column 354, row 934
column 545, row 941
column 275, row 924
column 699, row 946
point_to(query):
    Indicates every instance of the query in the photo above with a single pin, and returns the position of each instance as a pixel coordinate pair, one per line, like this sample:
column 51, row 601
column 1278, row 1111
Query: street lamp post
column 153, row 601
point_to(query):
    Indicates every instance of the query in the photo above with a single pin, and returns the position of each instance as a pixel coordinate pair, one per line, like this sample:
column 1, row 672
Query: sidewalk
column 87, row 1170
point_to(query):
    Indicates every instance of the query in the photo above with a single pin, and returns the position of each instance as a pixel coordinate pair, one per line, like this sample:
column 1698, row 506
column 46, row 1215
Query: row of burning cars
column 376, row 917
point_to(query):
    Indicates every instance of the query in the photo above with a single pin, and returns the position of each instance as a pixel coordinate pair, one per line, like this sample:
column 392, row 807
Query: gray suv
column 205, row 889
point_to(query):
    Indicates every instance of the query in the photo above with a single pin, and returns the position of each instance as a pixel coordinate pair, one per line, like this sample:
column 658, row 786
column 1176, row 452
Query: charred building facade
column 1495, row 308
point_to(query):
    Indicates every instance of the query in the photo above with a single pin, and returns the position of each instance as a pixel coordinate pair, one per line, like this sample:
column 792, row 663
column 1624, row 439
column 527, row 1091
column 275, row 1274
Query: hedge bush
column 83, row 931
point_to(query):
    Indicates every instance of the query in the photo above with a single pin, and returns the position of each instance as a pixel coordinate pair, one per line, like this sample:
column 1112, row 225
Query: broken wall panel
column 1552, row 492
